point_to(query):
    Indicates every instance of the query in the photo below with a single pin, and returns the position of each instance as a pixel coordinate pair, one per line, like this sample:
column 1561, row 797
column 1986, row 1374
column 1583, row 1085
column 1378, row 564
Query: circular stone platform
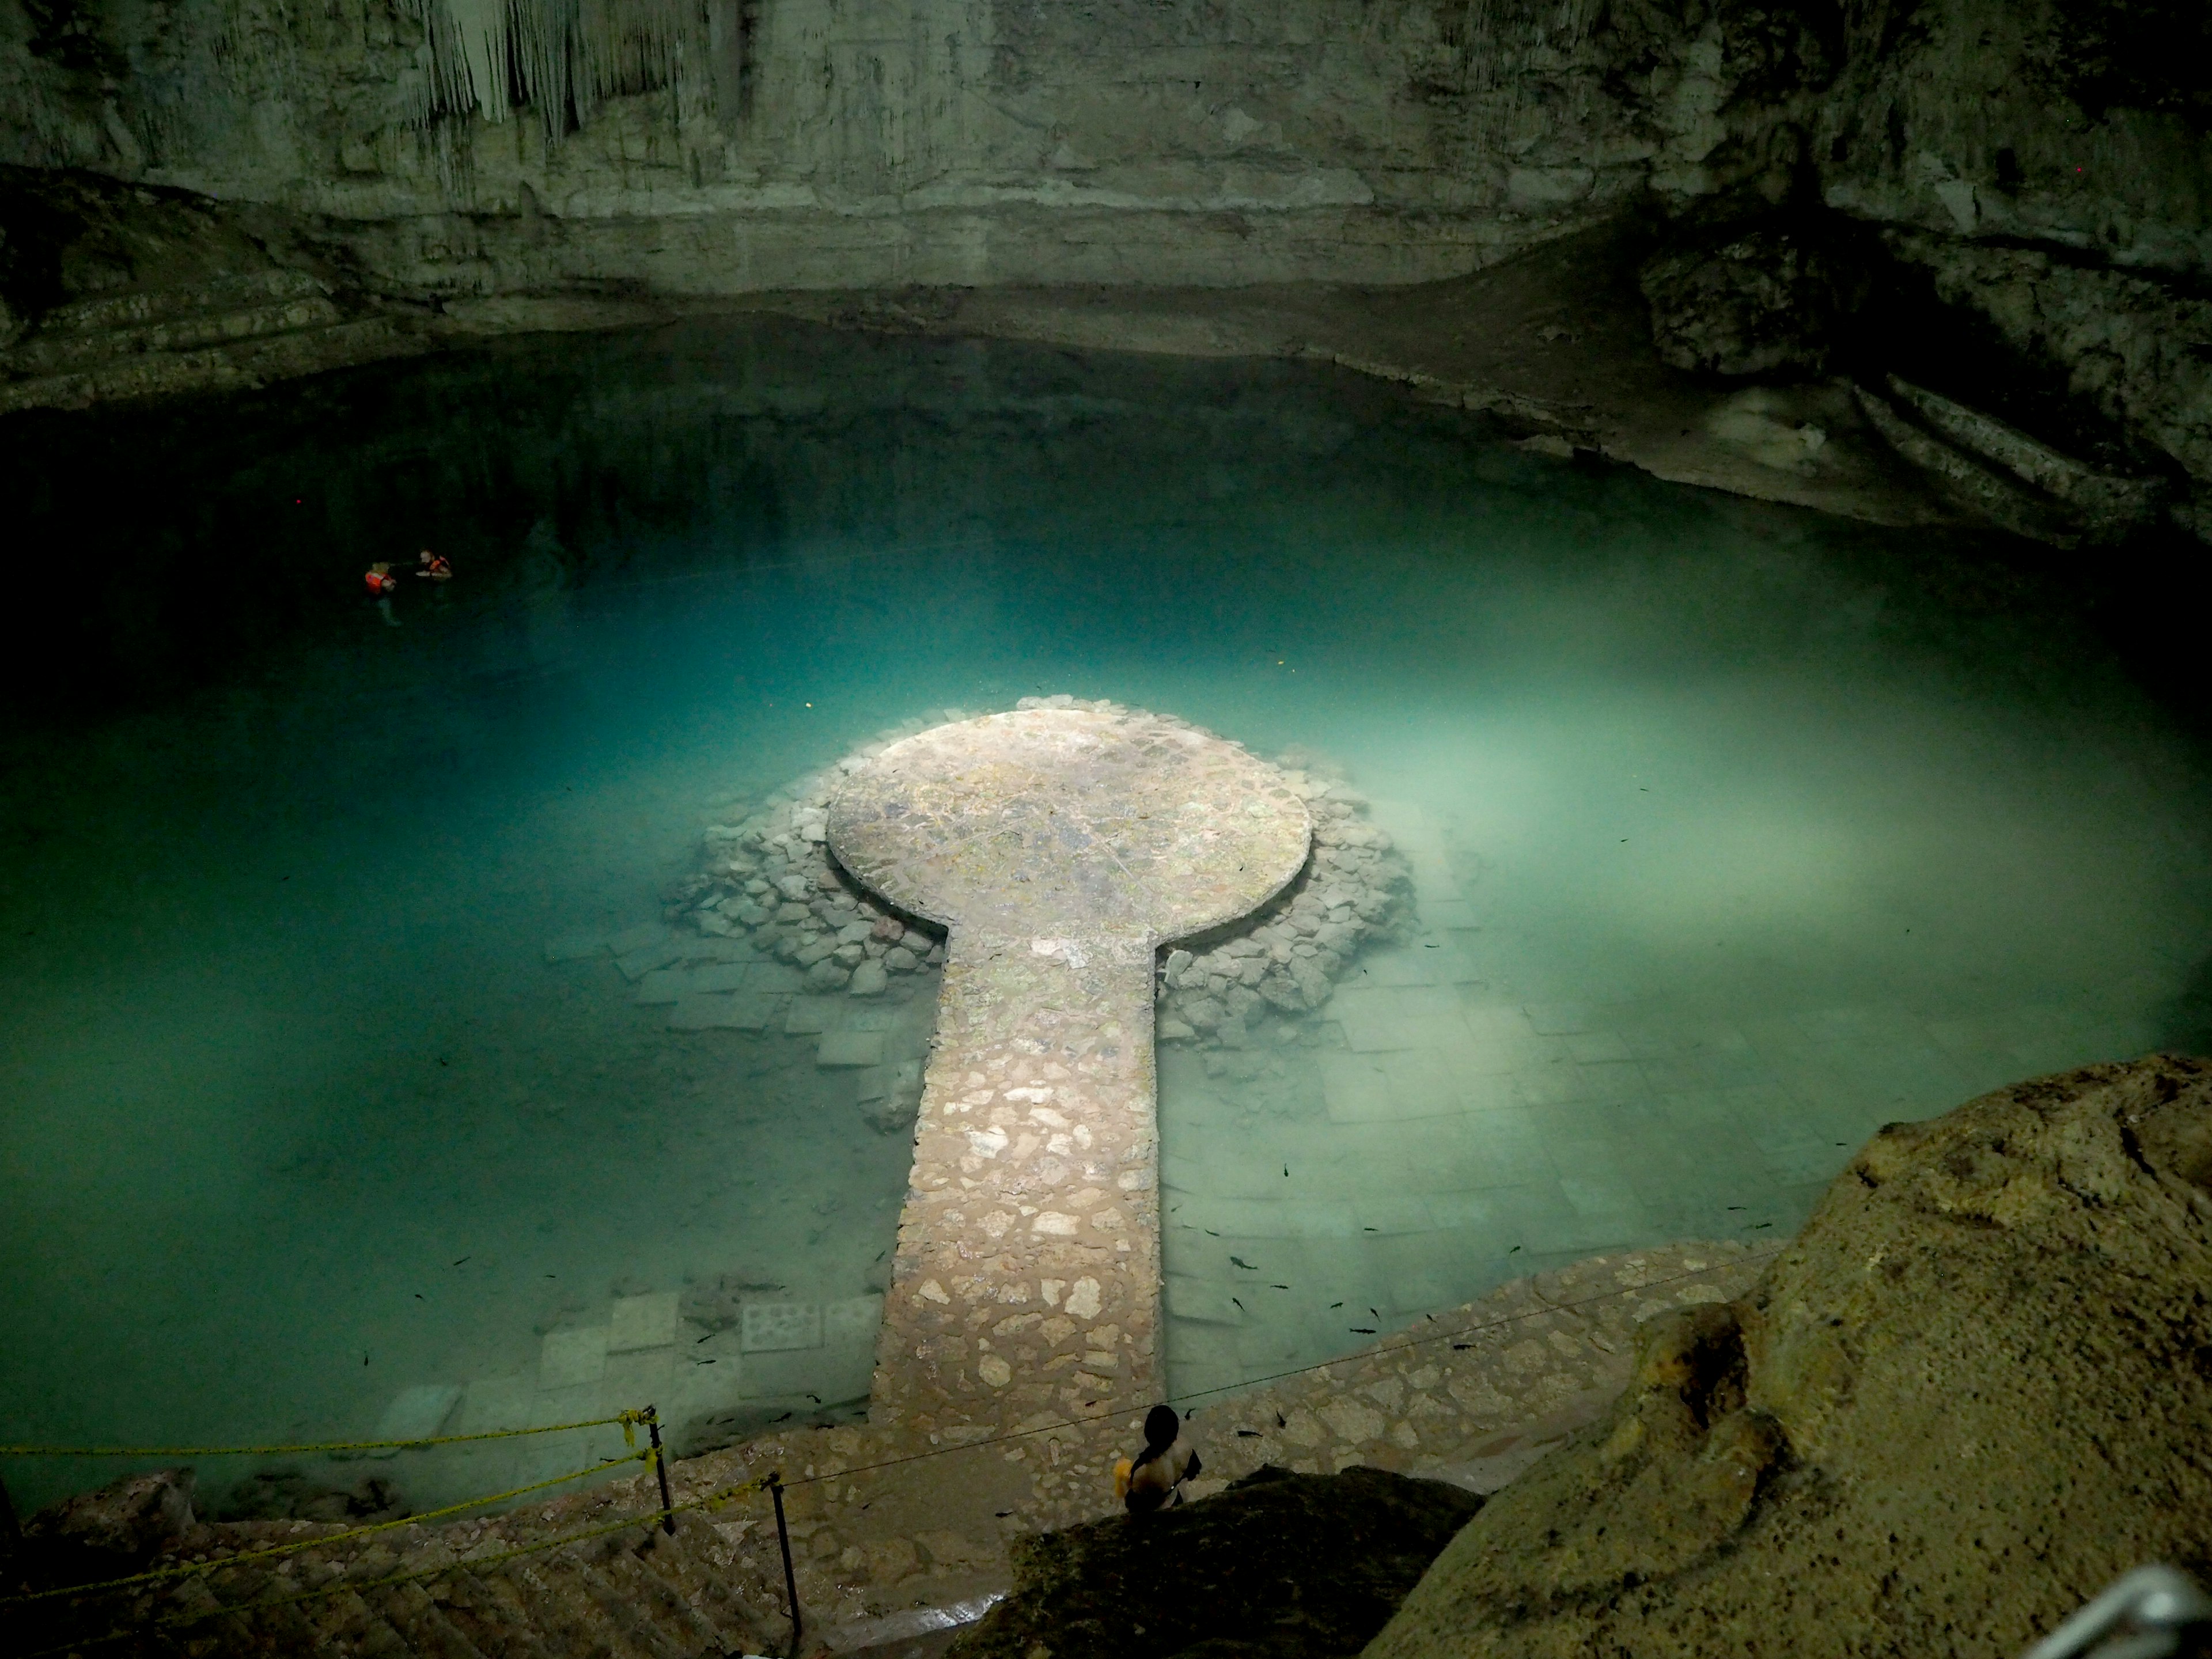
column 1047, row 821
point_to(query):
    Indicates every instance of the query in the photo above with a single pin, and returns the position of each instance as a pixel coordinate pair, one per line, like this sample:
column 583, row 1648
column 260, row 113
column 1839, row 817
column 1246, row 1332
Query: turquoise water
column 1738, row 832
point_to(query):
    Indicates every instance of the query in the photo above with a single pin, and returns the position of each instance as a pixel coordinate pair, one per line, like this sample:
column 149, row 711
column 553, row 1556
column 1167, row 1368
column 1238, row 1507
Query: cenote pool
column 1735, row 832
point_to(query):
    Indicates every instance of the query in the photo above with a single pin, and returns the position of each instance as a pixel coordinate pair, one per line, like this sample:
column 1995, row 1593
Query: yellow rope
column 192, row 1569
column 628, row 1420
column 724, row 1495
column 713, row 1500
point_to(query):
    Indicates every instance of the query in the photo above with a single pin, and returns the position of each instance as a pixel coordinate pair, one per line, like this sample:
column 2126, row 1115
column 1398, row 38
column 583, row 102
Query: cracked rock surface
column 1969, row 1395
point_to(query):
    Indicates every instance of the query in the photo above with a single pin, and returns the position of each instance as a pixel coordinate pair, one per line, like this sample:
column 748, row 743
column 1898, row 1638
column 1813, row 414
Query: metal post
column 783, row 1537
column 660, row 1468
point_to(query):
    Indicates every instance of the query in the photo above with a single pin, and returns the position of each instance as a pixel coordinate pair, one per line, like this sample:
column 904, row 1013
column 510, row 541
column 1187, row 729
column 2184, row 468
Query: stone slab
column 576, row 947
column 418, row 1412
column 810, row 1016
column 733, row 1012
column 850, row 1049
column 641, row 1322
column 665, row 985
column 637, row 963
column 724, row 976
column 769, row 1326
column 490, row 1403
column 572, row 1358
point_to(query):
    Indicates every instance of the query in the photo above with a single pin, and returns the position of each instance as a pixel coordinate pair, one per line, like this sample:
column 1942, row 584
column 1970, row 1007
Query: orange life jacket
column 379, row 585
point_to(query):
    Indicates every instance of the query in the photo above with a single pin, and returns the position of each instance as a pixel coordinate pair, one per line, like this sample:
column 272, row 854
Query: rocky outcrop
column 2011, row 478
column 117, row 1529
column 1768, row 299
column 1292, row 1566
column 2133, row 346
column 1971, row 1393
column 111, row 292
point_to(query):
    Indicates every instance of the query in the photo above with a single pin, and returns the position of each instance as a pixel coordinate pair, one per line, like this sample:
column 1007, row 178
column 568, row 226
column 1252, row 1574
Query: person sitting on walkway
column 435, row 568
column 1153, row 1478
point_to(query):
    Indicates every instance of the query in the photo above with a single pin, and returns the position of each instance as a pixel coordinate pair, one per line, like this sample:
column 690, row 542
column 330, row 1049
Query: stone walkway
column 1062, row 846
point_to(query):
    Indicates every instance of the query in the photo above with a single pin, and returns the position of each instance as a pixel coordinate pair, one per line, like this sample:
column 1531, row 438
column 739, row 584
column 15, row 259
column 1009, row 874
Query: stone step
column 642, row 1631
column 491, row 1613
column 1993, row 491
column 2108, row 503
column 414, row 1612
column 241, row 366
column 51, row 351
column 623, row 1598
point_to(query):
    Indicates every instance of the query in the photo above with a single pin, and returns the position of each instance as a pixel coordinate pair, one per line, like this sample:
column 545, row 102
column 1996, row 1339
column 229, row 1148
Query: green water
column 1740, row 833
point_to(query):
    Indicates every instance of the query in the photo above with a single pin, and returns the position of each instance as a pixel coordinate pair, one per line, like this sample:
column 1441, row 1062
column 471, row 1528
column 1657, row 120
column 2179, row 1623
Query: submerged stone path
column 1062, row 847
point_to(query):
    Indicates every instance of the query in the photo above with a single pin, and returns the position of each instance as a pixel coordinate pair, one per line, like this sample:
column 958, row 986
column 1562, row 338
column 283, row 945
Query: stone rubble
column 770, row 879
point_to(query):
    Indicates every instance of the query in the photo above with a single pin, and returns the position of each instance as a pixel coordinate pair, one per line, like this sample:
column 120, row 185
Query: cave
column 1682, row 510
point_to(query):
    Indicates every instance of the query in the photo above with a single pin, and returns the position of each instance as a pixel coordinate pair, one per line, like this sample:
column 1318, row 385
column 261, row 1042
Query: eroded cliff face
column 2036, row 171
column 755, row 143
column 2044, row 167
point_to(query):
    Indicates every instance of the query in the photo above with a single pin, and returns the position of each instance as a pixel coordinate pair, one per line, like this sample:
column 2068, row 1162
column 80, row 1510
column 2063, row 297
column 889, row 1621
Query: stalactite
column 1498, row 38
column 1499, row 41
column 559, row 58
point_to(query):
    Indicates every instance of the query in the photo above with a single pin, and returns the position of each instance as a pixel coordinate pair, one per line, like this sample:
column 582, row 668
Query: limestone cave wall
column 2038, row 169
column 715, row 145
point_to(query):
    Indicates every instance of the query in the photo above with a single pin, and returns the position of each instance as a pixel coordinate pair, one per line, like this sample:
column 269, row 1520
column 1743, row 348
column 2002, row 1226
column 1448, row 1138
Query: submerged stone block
column 664, row 985
column 723, row 977
column 810, row 1016
column 843, row 1049
column 642, row 960
column 854, row 1320
column 643, row 1321
column 495, row 1402
column 570, row 1358
column 418, row 1412
column 733, row 1013
column 770, row 1327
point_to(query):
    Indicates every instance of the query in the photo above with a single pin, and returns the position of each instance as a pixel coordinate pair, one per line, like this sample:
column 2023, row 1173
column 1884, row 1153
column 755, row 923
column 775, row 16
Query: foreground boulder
column 124, row 1524
column 1290, row 1567
column 1976, row 1389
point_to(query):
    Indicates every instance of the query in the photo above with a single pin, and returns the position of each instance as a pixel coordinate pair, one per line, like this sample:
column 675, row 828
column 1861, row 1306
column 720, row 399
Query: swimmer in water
column 382, row 585
column 434, row 568
column 1153, row 1478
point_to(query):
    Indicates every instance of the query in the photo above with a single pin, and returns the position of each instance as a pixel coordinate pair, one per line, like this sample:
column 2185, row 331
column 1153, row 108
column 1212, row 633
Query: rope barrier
column 666, row 1514
column 715, row 1499
column 628, row 1420
column 194, row 1569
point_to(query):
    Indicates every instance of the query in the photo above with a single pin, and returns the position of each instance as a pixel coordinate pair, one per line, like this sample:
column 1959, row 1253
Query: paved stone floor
column 1062, row 846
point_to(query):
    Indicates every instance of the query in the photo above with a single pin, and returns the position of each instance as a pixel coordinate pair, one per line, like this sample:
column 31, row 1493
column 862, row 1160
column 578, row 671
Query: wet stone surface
column 1061, row 846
